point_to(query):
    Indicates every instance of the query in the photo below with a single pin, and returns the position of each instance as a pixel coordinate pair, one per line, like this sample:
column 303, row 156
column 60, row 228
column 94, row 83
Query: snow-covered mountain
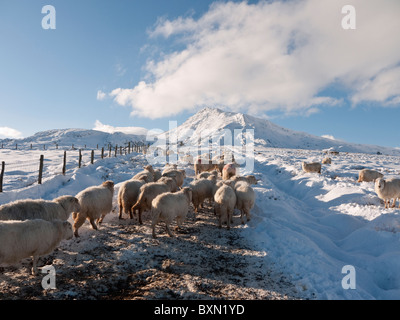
column 207, row 125
column 212, row 124
column 76, row 137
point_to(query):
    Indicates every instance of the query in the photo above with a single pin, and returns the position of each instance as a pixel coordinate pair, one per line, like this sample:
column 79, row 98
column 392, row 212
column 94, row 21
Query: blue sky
column 142, row 63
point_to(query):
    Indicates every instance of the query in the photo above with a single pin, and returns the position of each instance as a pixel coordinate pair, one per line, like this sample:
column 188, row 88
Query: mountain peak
column 211, row 123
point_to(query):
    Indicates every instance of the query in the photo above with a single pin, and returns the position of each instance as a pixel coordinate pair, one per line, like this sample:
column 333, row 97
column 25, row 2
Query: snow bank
column 315, row 225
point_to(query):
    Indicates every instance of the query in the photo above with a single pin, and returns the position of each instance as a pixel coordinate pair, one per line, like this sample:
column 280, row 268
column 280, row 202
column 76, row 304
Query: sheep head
column 108, row 184
column 379, row 184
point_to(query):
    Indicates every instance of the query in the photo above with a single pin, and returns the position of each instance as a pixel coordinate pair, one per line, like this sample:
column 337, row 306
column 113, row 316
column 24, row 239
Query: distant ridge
column 77, row 137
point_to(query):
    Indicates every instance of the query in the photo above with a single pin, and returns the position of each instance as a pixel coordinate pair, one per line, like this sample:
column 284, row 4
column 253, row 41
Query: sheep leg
column 131, row 213
column 228, row 220
column 140, row 216
column 78, row 223
column 34, row 265
column 242, row 215
column 93, row 223
column 153, row 227
column 120, row 212
column 394, row 203
column 179, row 221
column 222, row 216
column 169, row 230
column 100, row 221
column 247, row 214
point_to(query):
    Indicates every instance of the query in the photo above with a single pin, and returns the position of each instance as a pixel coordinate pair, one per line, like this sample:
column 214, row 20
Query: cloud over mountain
column 272, row 56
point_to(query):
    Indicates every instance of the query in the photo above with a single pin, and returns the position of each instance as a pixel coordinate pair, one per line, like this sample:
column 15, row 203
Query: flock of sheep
column 33, row 228
column 386, row 189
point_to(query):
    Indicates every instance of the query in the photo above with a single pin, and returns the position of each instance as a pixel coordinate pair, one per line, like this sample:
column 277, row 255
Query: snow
column 305, row 227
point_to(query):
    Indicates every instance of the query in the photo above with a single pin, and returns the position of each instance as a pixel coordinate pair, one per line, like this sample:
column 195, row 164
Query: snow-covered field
column 305, row 228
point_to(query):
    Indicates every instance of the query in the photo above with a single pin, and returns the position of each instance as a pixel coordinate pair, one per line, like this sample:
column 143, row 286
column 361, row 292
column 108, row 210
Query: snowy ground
column 304, row 229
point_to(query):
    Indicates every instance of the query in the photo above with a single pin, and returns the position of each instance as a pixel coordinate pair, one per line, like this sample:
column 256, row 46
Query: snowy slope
column 76, row 137
column 211, row 125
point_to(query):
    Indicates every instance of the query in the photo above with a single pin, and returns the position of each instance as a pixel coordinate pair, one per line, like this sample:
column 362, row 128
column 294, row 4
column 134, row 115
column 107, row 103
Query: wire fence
column 15, row 174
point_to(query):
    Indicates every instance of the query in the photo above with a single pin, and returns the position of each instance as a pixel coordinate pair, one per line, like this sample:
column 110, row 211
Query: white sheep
column 31, row 238
column 157, row 174
column 225, row 202
column 127, row 196
column 169, row 206
column 327, row 160
column 203, row 163
column 187, row 159
column 149, row 191
column 60, row 208
column 170, row 181
column 201, row 190
column 95, row 203
column 147, row 174
column 388, row 189
column 368, row 175
column 250, row 179
column 205, row 175
column 245, row 199
column 169, row 167
column 178, row 174
column 311, row 167
column 229, row 171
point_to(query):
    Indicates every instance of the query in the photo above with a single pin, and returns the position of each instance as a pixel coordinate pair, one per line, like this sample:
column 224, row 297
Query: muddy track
column 122, row 261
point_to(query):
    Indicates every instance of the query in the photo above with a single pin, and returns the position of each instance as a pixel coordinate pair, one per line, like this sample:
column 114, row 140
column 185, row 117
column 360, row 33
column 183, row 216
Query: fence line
column 136, row 146
column 37, row 165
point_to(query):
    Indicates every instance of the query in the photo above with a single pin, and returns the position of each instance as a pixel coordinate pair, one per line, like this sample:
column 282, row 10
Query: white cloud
column 6, row 132
column 271, row 56
column 384, row 88
column 101, row 95
column 110, row 129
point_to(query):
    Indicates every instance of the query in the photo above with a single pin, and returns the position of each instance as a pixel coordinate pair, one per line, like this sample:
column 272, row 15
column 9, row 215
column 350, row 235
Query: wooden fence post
column 116, row 150
column 80, row 157
column 3, row 164
column 40, row 169
column 64, row 163
column 102, row 152
column 92, row 157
